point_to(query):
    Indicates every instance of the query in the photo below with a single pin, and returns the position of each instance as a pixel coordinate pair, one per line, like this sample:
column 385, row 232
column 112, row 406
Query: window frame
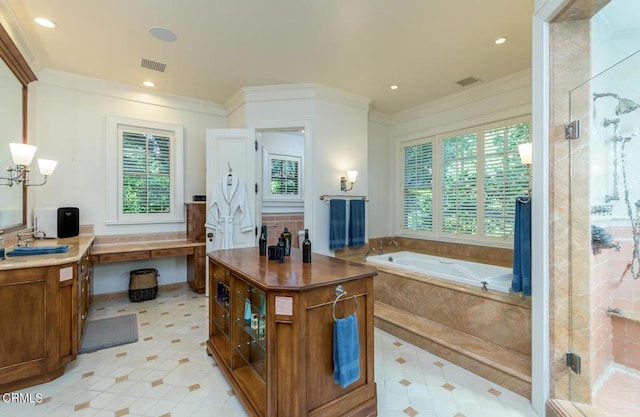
column 276, row 201
column 437, row 233
column 115, row 127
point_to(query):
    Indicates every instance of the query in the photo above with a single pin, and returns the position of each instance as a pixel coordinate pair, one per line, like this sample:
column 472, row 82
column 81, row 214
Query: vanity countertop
column 77, row 247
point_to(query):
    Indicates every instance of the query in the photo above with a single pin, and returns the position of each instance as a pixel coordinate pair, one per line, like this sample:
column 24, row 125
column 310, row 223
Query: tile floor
column 167, row 373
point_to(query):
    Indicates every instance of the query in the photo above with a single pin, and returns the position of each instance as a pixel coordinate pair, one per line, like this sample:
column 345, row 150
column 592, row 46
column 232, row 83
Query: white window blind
column 285, row 179
column 418, row 187
column 146, row 173
column 505, row 177
column 459, row 184
column 462, row 186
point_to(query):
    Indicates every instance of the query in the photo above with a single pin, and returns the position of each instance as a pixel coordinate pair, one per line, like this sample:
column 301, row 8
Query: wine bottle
column 280, row 257
column 263, row 241
column 286, row 236
column 306, row 248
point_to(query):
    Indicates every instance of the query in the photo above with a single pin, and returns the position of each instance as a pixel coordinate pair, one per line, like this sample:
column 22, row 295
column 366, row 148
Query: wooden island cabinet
column 280, row 360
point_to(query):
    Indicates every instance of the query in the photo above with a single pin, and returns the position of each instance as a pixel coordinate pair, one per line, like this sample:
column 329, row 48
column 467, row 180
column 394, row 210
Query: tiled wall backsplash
column 276, row 224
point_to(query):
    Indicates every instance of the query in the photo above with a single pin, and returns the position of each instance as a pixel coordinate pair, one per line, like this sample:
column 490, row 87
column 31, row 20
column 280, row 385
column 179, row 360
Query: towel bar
column 328, row 197
column 339, row 293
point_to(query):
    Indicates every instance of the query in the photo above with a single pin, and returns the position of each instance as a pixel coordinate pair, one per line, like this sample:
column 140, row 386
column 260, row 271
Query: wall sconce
column 352, row 175
column 526, row 157
column 22, row 155
column 525, row 151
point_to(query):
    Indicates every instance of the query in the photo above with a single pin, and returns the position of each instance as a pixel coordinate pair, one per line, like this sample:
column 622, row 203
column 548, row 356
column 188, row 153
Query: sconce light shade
column 46, row 166
column 352, row 175
column 525, row 151
column 22, row 153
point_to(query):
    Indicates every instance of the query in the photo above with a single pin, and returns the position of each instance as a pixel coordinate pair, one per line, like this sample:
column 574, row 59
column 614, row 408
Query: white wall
column 381, row 187
column 501, row 99
column 67, row 121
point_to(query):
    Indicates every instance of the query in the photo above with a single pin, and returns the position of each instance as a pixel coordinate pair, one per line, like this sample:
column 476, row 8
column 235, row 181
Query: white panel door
column 233, row 149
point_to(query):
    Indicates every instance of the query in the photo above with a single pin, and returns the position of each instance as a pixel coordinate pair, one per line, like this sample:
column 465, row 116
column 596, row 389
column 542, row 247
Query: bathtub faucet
column 367, row 254
column 391, row 242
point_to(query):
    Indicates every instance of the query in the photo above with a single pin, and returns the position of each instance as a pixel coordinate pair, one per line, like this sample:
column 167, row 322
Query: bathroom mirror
column 15, row 76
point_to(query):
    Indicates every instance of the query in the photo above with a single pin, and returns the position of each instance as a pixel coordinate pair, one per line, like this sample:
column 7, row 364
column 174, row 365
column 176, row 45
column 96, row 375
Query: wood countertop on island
column 293, row 274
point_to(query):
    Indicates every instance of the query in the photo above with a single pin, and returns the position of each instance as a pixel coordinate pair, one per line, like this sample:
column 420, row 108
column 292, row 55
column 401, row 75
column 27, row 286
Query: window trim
column 272, row 201
column 114, row 213
column 437, row 140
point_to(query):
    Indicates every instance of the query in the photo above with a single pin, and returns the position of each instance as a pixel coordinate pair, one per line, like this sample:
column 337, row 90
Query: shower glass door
column 604, row 250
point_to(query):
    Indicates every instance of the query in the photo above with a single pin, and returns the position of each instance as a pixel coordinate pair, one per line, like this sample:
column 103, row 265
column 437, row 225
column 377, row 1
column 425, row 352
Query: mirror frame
column 11, row 55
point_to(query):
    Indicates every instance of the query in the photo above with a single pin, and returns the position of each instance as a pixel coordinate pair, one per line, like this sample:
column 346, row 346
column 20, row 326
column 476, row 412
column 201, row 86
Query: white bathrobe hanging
column 229, row 209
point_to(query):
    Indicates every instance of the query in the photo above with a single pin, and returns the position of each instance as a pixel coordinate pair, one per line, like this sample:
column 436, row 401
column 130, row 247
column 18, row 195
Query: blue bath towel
column 35, row 250
column 522, row 249
column 356, row 223
column 337, row 223
column 346, row 351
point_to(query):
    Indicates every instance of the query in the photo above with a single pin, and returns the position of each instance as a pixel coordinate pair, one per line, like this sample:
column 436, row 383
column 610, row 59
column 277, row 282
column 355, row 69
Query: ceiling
column 360, row 46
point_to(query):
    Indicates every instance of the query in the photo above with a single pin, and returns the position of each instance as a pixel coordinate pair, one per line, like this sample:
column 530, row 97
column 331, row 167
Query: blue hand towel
column 522, row 249
column 337, row 223
column 356, row 223
column 346, row 351
column 35, row 250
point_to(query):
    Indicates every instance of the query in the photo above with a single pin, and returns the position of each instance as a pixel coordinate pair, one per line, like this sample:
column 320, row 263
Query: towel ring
column 339, row 293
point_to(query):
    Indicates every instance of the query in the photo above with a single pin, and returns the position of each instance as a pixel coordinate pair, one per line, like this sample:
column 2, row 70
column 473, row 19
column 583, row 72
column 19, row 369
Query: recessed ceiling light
column 162, row 34
column 148, row 84
column 394, row 87
column 45, row 22
column 500, row 41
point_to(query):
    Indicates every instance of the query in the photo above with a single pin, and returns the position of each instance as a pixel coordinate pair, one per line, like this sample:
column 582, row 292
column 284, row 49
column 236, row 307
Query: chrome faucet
column 24, row 243
column 367, row 254
column 391, row 242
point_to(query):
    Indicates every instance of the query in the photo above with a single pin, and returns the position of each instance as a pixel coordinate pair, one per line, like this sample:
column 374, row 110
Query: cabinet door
column 25, row 305
column 250, row 332
column 219, row 317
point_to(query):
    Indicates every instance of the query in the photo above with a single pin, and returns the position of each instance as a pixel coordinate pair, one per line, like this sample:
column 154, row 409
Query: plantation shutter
column 285, row 176
column 459, row 186
column 418, row 187
column 146, row 173
column 505, row 177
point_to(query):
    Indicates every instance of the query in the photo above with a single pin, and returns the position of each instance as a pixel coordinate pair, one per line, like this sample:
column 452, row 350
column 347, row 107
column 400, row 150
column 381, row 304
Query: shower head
column 625, row 106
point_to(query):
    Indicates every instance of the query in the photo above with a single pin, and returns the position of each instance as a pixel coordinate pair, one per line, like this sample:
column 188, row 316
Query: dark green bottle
column 286, row 236
column 263, row 241
column 306, row 248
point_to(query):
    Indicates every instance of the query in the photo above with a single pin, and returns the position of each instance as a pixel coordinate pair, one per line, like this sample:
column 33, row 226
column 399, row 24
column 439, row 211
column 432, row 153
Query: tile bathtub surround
column 473, row 253
column 168, row 373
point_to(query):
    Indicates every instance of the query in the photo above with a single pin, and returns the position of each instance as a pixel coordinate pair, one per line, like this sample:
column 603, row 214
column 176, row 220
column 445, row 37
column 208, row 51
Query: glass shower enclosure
column 604, row 209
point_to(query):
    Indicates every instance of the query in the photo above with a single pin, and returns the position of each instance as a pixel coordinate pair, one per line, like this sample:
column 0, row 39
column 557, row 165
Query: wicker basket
column 143, row 285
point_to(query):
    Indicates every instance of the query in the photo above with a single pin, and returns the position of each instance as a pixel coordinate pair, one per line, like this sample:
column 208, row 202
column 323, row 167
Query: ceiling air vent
column 153, row 65
column 469, row 80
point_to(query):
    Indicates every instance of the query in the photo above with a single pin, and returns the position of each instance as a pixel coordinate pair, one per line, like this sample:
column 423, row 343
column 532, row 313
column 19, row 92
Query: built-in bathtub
column 443, row 309
column 475, row 274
